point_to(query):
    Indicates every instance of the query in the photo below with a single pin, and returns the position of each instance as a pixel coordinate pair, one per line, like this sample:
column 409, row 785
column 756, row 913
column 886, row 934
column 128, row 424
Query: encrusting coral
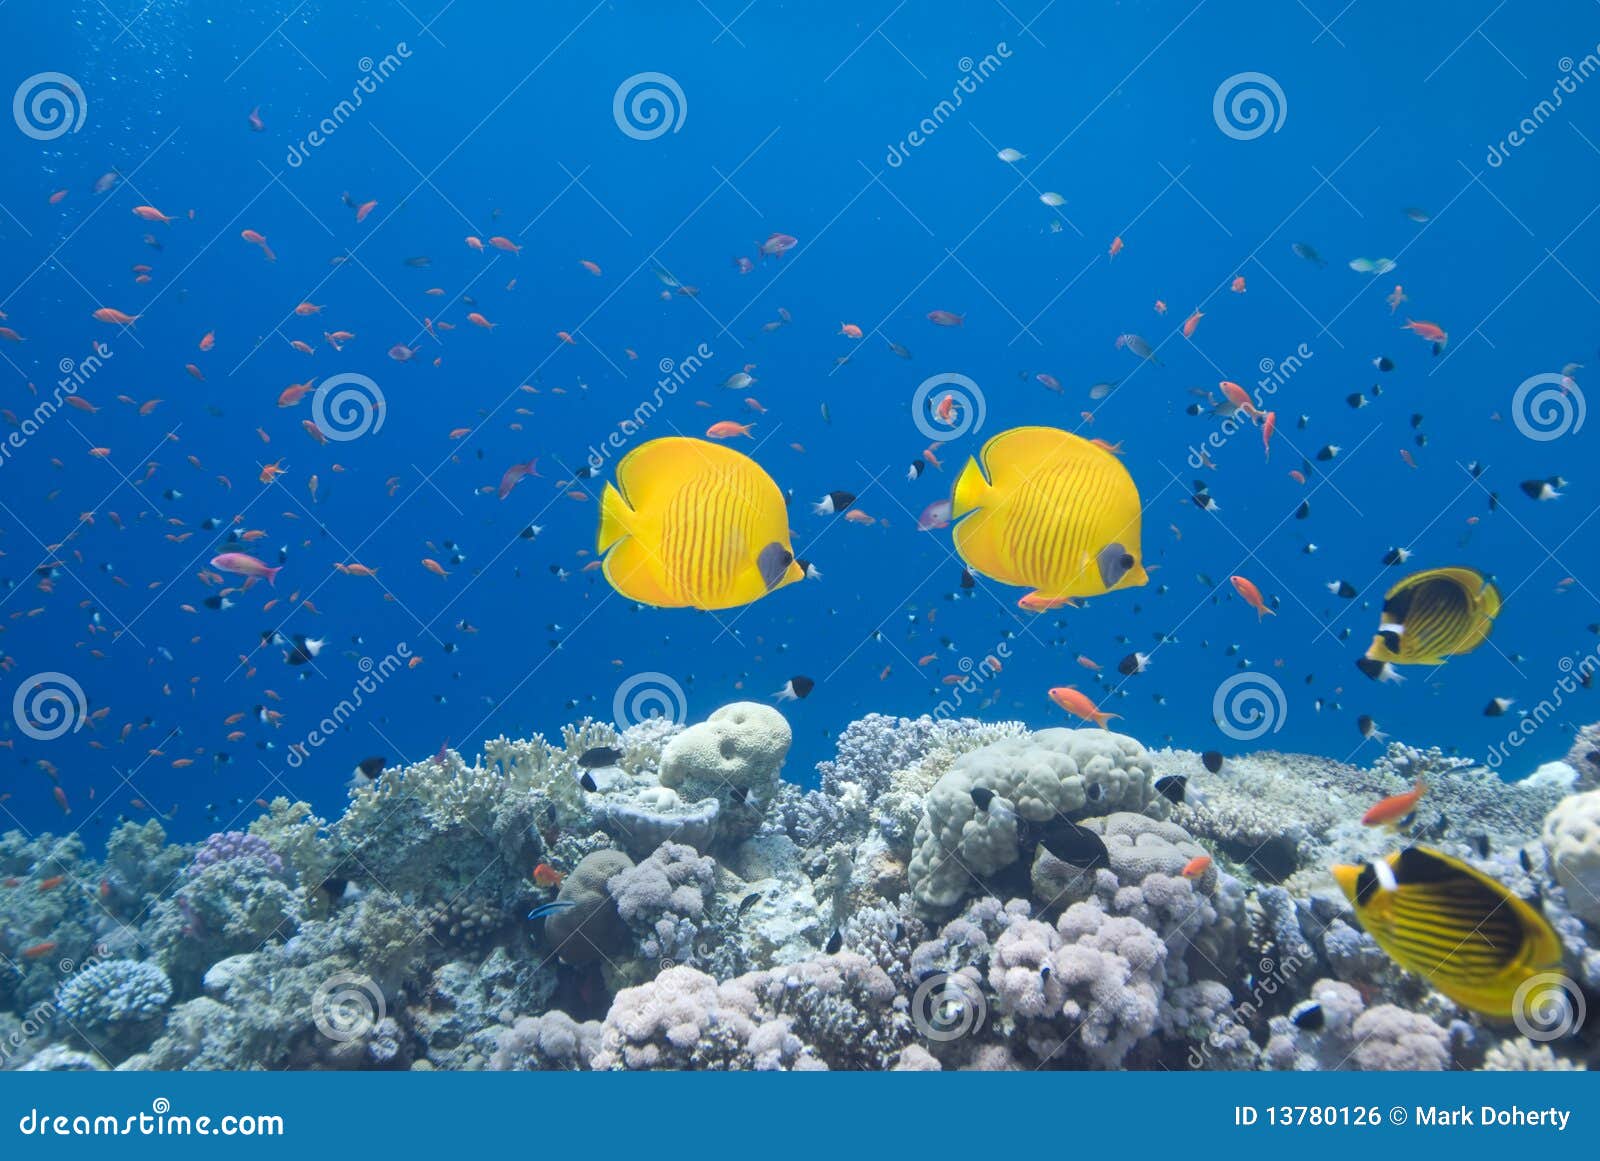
column 953, row 895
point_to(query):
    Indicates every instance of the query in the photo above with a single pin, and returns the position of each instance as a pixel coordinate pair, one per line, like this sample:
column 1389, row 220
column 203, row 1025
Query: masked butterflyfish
column 1047, row 509
column 694, row 524
column 1432, row 615
column 1468, row 935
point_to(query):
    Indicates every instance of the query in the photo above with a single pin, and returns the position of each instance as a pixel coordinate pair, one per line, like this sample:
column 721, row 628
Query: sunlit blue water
column 498, row 120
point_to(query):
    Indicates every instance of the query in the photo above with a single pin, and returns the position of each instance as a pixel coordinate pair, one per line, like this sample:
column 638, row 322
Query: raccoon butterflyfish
column 1429, row 616
column 1468, row 935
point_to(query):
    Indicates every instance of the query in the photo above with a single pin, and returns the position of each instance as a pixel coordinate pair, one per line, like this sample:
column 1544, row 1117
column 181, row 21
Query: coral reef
column 953, row 895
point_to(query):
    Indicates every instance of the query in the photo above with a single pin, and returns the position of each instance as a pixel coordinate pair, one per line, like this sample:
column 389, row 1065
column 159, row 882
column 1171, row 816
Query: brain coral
column 1572, row 840
column 735, row 756
column 591, row 929
column 1034, row 779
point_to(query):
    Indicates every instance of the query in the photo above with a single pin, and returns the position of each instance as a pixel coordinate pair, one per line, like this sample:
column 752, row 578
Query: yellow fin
column 630, row 570
column 970, row 492
column 614, row 515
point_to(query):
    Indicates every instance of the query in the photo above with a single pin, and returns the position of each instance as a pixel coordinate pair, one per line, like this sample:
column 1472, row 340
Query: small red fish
column 1252, row 596
column 547, row 876
column 1394, row 808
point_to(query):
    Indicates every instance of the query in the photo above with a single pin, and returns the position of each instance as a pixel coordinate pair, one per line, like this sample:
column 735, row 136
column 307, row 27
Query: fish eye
column 1126, row 560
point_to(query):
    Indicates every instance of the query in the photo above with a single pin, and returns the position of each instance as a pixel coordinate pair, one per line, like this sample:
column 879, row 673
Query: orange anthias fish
column 1191, row 322
column 1239, row 397
column 1396, row 807
column 1252, row 596
column 1269, row 424
column 110, row 314
column 728, row 429
column 1237, row 286
column 1196, row 866
column 1395, row 298
column 1079, row 705
column 1427, row 331
column 547, row 876
column 1116, row 247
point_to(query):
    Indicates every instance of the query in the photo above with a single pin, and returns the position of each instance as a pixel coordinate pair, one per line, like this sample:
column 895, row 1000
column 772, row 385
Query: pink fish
column 243, row 564
column 935, row 515
column 777, row 245
column 514, row 474
column 944, row 318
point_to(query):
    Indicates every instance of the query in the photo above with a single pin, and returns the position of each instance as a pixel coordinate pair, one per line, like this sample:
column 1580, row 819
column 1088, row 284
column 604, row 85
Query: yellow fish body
column 1049, row 510
column 1447, row 921
column 694, row 524
column 1431, row 615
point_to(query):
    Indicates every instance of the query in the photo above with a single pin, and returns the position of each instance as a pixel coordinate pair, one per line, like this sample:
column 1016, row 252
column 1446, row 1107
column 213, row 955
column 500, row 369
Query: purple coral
column 227, row 845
